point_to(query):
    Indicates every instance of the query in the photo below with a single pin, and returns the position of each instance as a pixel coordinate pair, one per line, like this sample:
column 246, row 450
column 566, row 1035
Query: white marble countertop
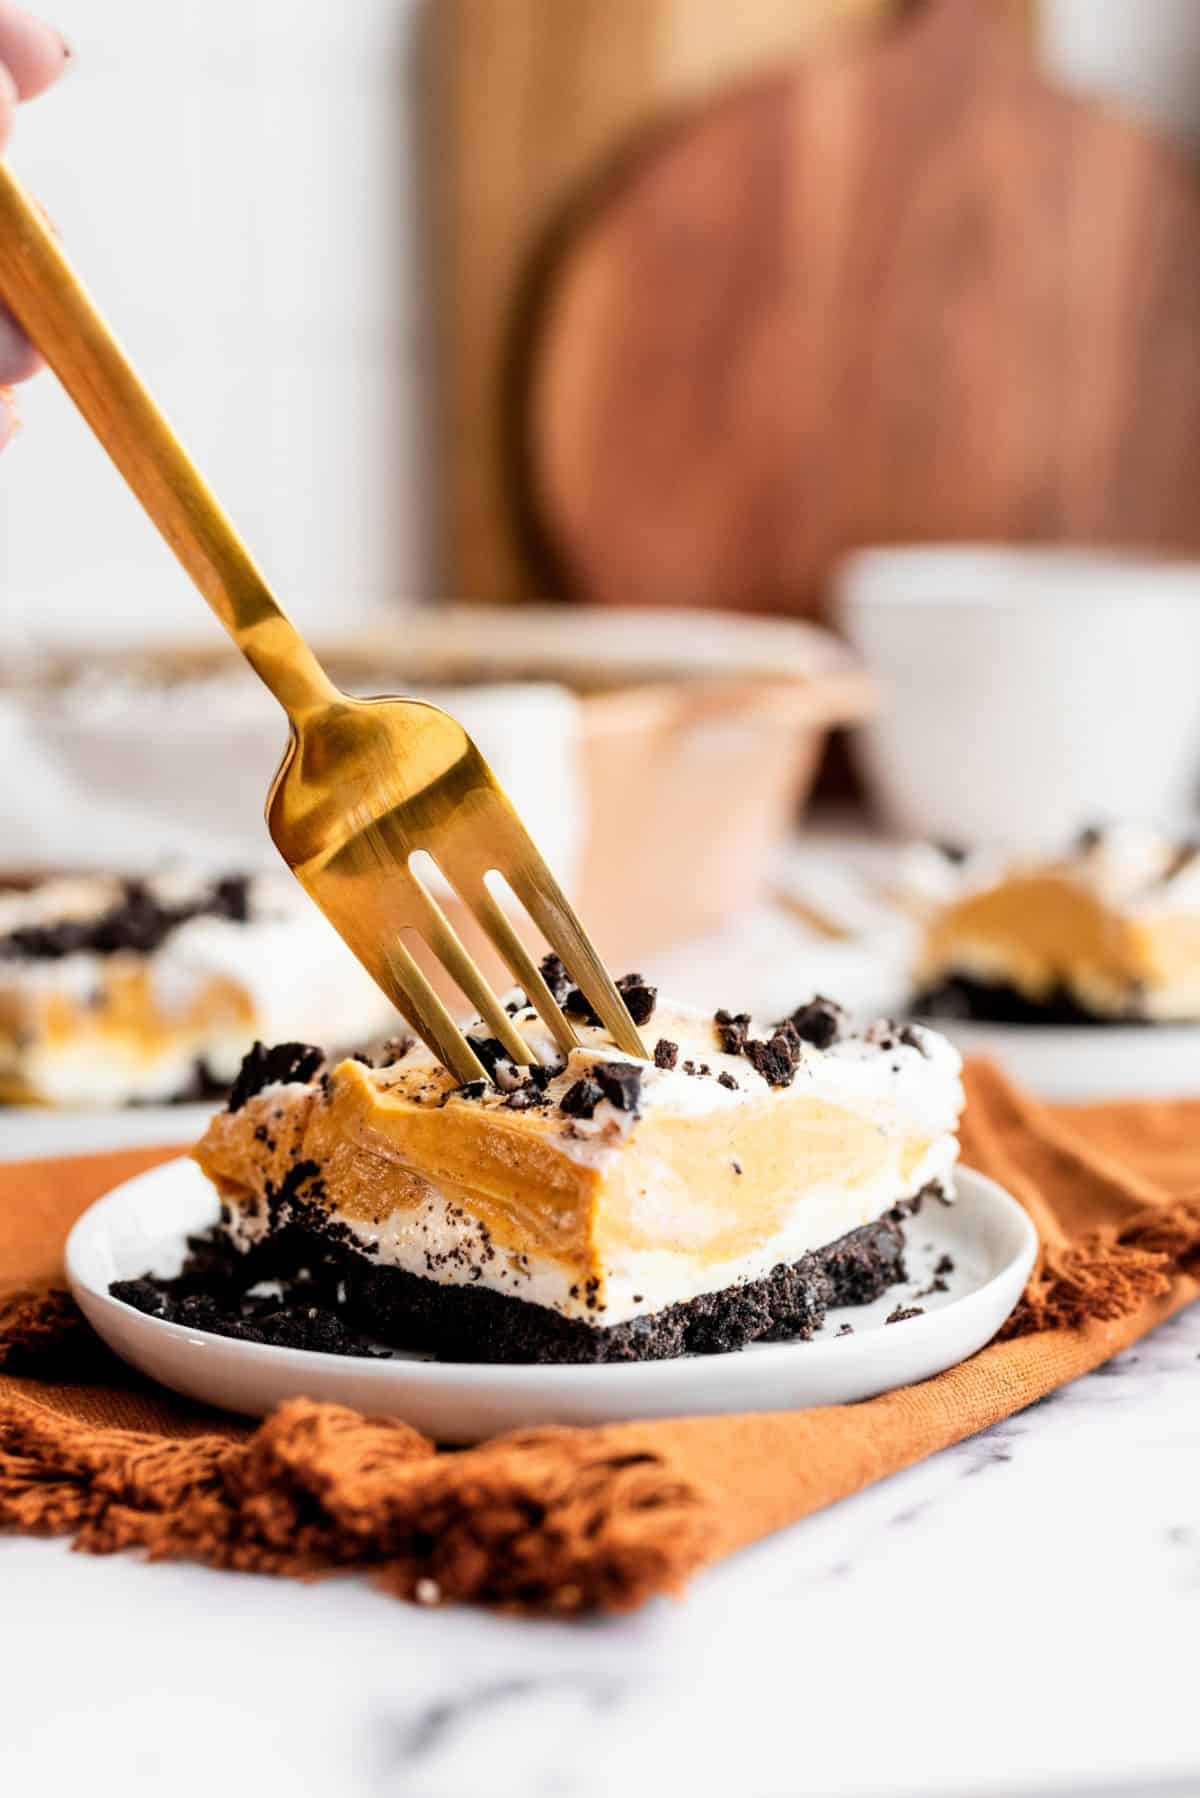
column 1019, row 1615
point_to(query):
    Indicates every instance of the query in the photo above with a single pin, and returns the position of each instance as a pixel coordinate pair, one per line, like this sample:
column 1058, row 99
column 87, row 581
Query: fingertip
column 18, row 358
column 8, row 104
column 34, row 54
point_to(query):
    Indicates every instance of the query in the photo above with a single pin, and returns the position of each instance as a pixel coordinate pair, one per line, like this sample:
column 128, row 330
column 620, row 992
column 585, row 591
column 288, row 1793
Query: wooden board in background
column 531, row 97
column 910, row 292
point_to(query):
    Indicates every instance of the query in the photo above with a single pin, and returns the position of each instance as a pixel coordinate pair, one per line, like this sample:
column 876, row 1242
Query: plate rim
column 423, row 1369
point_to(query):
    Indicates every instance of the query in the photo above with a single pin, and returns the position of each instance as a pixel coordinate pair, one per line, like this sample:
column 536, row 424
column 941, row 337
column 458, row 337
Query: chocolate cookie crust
column 333, row 1298
column 986, row 1002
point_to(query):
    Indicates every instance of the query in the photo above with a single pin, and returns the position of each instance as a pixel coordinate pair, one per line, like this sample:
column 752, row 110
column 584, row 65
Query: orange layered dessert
column 592, row 1208
column 118, row 991
column 1108, row 932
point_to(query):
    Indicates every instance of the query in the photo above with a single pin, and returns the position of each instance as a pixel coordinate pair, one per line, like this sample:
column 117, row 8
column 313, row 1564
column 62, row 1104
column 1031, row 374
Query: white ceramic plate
column 1081, row 1061
column 140, row 1227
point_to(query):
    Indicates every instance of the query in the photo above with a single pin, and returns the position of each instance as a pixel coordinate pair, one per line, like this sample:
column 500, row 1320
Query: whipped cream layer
column 705, row 1183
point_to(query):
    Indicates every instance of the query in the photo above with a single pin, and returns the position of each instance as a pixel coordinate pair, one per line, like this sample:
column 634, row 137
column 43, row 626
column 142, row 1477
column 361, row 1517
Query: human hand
column 32, row 57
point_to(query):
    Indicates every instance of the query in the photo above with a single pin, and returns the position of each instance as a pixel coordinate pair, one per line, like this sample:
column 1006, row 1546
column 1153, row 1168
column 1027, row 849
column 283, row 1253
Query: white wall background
column 236, row 180
column 1143, row 54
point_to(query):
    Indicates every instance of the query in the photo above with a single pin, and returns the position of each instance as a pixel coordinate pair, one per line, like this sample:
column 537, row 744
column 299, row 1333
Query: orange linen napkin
column 565, row 1520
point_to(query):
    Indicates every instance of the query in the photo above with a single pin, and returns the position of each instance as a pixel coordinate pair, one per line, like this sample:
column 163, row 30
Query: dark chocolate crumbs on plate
column 666, row 1053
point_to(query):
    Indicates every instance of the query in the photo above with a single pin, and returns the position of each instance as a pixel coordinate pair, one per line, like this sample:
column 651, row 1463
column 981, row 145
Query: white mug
column 1026, row 692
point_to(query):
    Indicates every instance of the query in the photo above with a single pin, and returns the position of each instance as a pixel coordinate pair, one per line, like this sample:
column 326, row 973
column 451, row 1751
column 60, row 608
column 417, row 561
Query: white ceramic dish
column 140, row 1227
column 1077, row 1062
column 1026, row 692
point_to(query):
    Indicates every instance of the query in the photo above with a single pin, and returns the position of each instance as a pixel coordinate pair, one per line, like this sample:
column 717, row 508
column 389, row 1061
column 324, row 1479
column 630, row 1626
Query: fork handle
column 57, row 314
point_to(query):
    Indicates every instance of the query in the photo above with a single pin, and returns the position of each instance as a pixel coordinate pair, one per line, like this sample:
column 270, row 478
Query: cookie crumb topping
column 620, row 1082
column 733, row 1029
column 280, row 1064
column 821, row 1022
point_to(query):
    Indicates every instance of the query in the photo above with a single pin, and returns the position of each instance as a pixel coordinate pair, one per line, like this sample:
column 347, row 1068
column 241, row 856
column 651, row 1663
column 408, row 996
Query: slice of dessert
column 605, row 1209
column 115, row 991
column 1108, row 932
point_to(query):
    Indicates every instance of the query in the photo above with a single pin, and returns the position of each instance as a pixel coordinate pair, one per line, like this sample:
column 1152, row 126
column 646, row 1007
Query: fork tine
column 492, row 921
column 412, row 995
column 547, row 905
column 443, row 939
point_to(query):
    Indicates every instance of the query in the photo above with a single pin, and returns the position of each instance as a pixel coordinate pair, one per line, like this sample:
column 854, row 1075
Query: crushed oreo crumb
column 639, row 996
column 581, row 1100
column 736, row 1165
column 821, row 1022
column 902, row 1313
column 886, row 1034
column 774, row 1060
column 848, row 1329
column 666, row 1053
column 727, row 1079
column 522, row 1097
column 556, row 978
column 620, row 1082
column 470, row 1089
column 264, row 1067
column 733, row 1028
column 945, row 1265
column 640, row 999
column 137, row 922
column 231, row 898
column 490, row 1050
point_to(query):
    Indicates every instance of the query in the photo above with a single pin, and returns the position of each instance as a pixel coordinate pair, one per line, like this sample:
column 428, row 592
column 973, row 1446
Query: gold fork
column 363, row 783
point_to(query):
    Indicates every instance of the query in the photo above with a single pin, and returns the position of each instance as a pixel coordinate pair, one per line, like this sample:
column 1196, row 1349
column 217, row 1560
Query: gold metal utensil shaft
column 364, row 785
column 48, row 300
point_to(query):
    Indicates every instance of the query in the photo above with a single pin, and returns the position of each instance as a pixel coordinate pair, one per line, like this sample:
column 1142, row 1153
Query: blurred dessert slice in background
column 1106, row 932
column 117, row 991
column 634, row 747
